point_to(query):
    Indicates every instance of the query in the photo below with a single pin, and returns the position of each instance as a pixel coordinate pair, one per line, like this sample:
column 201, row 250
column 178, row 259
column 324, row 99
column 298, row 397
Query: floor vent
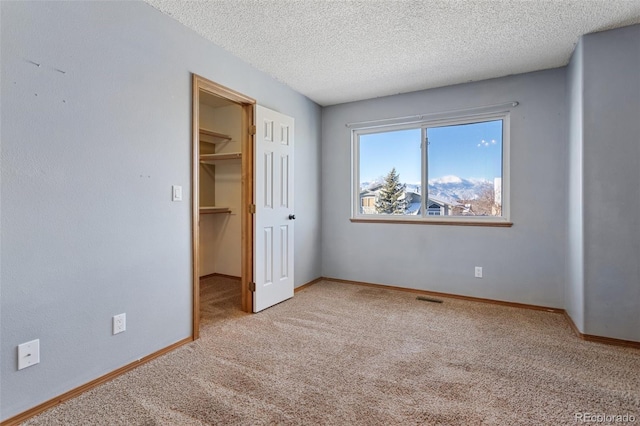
column 428, row 299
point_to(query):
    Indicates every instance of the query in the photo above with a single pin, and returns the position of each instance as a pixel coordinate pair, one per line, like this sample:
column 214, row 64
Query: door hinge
column 252, row 209
column 252, row 130
column 252, row 286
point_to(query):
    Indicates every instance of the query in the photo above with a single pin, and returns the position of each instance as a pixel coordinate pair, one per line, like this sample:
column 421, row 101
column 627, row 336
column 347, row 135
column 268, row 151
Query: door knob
column 292, row 217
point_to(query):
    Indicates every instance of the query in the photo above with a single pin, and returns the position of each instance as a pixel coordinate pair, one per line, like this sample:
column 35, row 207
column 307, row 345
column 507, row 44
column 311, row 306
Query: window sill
column 452, row 222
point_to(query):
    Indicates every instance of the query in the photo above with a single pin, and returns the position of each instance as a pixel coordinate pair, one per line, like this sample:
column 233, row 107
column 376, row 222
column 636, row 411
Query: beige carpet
column 339, row 354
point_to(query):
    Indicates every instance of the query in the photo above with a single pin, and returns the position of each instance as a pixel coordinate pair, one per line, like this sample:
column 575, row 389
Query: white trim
column 505, row 202
column 424, row 173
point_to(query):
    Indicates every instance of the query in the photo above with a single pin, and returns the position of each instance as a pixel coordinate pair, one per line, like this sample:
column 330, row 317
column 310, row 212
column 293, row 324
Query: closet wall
column 220, row 186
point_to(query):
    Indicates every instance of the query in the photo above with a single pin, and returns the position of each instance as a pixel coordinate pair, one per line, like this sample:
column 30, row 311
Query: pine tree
column 391, row 198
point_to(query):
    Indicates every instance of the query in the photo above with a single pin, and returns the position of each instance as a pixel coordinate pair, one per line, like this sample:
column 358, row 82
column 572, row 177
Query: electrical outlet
column 119, row 323
column 478, row 271
column 28, row 354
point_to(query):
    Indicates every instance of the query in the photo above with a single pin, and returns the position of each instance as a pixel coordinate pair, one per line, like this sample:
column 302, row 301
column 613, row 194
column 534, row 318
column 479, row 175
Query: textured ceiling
column 341, row 51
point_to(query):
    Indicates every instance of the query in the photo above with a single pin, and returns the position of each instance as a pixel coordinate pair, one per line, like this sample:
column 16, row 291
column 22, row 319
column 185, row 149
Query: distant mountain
column 447, row 188
column 369, row 185
column 453, row 188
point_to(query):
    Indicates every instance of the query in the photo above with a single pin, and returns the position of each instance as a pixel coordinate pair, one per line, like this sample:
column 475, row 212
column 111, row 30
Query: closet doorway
column 222, row 190
column 243, row 203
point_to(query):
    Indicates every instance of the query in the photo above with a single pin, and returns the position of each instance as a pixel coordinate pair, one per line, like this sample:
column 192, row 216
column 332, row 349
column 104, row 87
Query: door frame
column 199, row 84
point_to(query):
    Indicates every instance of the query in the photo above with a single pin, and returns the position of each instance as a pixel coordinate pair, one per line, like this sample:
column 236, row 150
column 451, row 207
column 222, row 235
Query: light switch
column 176, row 193
column 28, row 354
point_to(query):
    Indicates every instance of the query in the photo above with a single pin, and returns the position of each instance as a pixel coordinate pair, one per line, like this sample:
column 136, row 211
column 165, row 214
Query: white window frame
column 425, row 218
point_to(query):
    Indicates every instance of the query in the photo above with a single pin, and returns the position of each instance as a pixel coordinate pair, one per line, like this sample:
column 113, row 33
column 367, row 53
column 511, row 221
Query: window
column 368, row 202
column 446, row 171
column 434, row 210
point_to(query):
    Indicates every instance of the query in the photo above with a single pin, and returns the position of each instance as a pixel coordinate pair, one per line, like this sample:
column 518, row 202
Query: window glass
column 465, row 168
column 390, row 172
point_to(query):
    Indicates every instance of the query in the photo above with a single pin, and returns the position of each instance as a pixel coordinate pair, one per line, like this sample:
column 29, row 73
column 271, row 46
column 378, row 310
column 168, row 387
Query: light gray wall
column 611, row 144
column 574, row 286
column 525, row 263
column 92, row 140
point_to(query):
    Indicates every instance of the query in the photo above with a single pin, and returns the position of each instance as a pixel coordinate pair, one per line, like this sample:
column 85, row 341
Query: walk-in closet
column 220, row 186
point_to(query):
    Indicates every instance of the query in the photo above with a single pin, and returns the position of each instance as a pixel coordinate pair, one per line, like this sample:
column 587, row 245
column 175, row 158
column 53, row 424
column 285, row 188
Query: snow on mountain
column 449, row 179
column 453, row 188
column 370, row 185
column 450, row 188
column 413, row 187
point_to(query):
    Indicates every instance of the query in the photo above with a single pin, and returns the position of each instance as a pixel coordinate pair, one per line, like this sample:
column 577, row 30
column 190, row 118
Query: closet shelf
column 214, row 210
column 212, row 158
column 213, row 137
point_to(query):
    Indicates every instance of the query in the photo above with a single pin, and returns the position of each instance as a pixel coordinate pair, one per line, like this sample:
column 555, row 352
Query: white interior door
column 274, row 216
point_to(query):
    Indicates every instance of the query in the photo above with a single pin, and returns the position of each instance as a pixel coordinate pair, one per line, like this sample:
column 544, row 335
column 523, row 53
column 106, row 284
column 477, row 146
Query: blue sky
column 469, row 151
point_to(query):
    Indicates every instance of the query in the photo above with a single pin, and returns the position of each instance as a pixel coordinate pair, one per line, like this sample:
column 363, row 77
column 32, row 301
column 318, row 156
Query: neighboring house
column 368, row 199
column 435, row 207
column 414, row 202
